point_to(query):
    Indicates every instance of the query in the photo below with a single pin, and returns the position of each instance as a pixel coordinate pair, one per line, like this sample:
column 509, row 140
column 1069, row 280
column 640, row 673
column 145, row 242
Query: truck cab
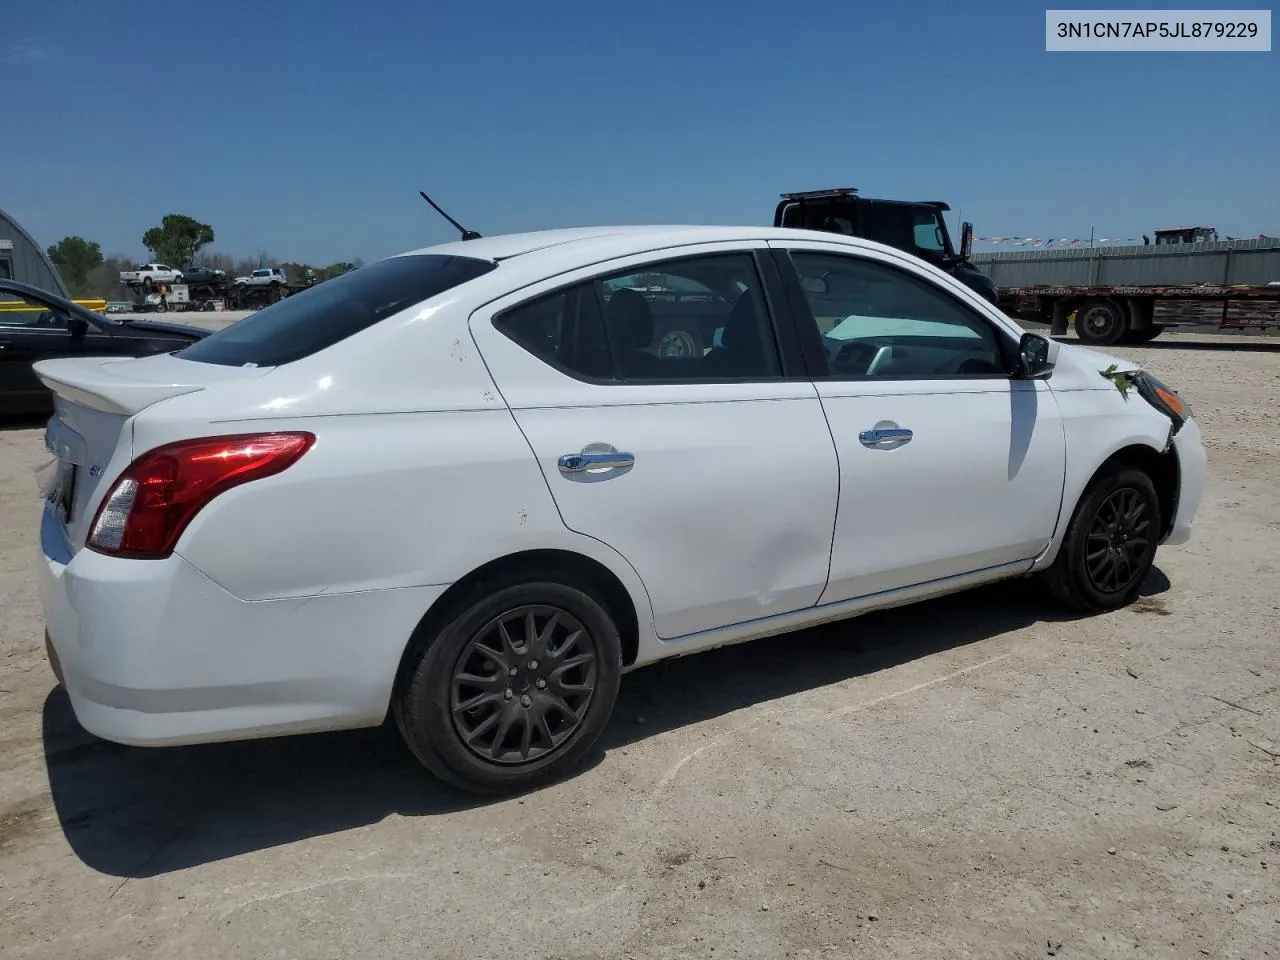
column 1185, row 235
column 917, row 227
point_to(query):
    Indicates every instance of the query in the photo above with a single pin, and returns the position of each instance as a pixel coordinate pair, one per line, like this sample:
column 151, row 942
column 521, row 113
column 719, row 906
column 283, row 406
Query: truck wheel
column 1101, row 322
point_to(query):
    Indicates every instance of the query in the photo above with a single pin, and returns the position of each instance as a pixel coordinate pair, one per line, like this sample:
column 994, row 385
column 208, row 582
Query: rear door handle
column 885, row 438
column 594, row 461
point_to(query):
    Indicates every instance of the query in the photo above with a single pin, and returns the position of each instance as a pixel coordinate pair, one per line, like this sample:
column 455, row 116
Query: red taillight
column 148, row 507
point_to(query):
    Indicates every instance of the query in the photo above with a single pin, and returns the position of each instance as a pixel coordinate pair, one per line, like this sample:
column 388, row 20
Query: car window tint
column 329, row 312
column 563, row 329
column 700, row 318
column 879, row 321
column 29, row 316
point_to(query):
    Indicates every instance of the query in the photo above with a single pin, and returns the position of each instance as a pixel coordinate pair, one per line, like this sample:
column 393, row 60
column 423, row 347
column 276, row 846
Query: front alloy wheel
column 1110, row 543
column 1119, row 541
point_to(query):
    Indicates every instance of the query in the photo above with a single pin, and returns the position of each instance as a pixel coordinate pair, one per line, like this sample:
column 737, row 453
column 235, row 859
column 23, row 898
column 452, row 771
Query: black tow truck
column 916, row 226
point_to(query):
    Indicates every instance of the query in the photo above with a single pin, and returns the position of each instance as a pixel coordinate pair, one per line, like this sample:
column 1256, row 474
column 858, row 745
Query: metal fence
column 1254, row 262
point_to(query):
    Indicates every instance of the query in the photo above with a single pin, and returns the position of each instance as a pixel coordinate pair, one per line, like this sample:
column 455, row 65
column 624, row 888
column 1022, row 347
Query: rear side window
column 686, row 319
column 321, row 316
column 564, row 329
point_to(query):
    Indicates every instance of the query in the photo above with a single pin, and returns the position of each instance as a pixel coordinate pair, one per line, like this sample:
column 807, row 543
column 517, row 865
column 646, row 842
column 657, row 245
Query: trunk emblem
column 95, row 470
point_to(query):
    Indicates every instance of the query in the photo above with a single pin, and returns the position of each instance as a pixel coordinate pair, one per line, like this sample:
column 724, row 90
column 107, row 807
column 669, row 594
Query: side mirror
column 966, row 240
column 1036, row 357
column 816, row 285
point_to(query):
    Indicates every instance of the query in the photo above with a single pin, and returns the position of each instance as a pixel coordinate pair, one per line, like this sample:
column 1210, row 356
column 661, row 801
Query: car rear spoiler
column 97, row 382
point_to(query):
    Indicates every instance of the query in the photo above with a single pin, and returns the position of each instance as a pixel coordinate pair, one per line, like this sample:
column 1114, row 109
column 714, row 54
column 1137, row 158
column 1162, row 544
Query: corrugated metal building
column 1226, row 261
column 21, row 258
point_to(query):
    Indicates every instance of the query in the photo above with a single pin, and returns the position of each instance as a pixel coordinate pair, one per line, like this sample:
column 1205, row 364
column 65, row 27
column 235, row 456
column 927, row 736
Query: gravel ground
column 972, row 777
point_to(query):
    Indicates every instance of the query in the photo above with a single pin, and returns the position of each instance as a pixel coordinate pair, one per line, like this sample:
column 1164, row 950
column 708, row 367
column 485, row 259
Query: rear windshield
column 314, row 319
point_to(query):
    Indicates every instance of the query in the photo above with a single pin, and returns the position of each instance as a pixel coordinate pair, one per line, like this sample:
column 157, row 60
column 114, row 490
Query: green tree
column 75, row 257
column 177, row 240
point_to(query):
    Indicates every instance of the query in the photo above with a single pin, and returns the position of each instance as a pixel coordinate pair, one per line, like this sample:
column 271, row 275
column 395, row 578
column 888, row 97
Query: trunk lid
column 90, row 434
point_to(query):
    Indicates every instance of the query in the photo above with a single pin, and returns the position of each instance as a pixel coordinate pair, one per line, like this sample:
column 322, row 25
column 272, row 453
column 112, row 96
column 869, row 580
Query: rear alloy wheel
column 514, row 690
column 1101, row 322
column 1110, row 544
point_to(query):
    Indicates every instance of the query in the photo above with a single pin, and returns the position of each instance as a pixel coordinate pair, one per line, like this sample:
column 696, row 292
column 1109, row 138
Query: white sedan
column 467, row 485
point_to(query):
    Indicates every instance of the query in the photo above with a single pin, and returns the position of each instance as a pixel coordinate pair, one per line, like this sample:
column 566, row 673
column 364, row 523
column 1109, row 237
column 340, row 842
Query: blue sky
column 306, row 129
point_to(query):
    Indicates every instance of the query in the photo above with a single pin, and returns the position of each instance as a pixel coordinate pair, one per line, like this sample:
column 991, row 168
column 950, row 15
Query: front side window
column 700, row 318
column 321, row 316
column 25, row 315
column 928, row 233
column 875, row 320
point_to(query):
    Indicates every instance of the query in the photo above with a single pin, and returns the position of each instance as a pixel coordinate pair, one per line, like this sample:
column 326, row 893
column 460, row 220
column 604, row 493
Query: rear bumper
column 1192, row 473
column 153, row 652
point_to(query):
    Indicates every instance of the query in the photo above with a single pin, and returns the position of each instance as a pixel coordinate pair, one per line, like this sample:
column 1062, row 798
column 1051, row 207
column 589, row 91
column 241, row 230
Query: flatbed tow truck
column 1106, row 315
column 219, row 294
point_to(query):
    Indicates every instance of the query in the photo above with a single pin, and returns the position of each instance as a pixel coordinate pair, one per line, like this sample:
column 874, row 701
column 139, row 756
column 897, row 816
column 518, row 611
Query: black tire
column 449, row 671
column 1101, row 322
column 1078, row 576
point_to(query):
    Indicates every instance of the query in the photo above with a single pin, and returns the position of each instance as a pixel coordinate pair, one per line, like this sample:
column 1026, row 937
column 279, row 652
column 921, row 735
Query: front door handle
column 885, row 438
column 596, row 459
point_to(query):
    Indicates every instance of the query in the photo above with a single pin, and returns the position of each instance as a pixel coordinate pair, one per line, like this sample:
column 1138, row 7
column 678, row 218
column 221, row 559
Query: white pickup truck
column 262, row 277
column 149, row 274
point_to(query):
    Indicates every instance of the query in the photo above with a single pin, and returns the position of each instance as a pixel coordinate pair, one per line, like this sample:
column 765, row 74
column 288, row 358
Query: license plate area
column 62, row 490
column 67, row 446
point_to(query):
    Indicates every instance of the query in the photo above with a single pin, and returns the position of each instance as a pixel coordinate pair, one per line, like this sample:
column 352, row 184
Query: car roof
column 554, row 251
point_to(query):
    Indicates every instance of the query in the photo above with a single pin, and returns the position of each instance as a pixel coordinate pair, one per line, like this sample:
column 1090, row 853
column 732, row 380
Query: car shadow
column 1226, row 343
column 1173, row 342
column 14, row 421
column 135, row 812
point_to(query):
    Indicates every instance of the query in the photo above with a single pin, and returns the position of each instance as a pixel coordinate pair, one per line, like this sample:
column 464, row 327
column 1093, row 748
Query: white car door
column 949, row 466
column 710, row 469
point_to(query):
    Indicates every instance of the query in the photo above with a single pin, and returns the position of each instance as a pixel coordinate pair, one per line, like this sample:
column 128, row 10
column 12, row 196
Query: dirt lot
column 974, row 777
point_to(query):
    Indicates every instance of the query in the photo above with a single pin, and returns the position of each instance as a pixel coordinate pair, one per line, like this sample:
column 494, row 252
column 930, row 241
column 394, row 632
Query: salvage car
column 37, row 325
column 204, row 276
column 465, row 487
